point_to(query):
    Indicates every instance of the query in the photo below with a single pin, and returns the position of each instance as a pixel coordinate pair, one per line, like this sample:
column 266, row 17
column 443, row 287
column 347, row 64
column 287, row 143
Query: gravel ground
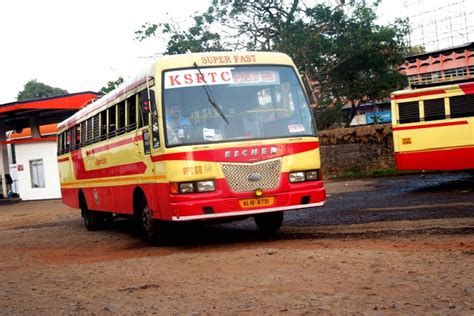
column 384, row 246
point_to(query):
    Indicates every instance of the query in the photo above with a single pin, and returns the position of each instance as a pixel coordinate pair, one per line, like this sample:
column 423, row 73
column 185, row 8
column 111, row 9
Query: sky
column 81, row 45
column 78, row 45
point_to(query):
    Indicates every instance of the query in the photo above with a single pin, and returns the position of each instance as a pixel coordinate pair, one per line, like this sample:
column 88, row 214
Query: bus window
column 111, row 122
column 103, row 125
column 434, row 109
column 60, row 144
column 78, row 136
column 89, row 131
column 409, row 112
column 262, row 102
column 144, row 118
column 462, row 106
column 121, row 118
column 73, row 137
column 83, row 134
column 131, row 113
column 96, row 128
column 68, row 140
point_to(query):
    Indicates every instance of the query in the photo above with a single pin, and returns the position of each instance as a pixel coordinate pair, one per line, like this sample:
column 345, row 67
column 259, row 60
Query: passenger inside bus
column 176, row 123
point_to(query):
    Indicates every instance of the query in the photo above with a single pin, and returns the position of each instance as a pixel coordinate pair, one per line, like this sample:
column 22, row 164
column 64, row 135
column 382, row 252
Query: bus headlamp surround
column 312, row 175
column 205, row 186
column 186, row 187
column 297, row 176
column 198, row 186
column 300, row 176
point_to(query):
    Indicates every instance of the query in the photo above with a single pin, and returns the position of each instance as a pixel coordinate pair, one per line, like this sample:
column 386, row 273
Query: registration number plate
column 258, row 202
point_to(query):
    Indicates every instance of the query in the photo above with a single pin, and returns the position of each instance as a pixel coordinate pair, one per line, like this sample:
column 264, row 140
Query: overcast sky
column 81, row 45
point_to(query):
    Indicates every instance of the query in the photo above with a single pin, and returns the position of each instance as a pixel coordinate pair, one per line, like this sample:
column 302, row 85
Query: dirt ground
column 397, row 265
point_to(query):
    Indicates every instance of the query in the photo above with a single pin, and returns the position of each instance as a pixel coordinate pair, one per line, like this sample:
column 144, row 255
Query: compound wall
column 361, row 148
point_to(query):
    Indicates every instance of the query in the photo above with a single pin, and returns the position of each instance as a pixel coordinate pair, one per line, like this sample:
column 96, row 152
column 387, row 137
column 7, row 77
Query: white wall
column 31, row 151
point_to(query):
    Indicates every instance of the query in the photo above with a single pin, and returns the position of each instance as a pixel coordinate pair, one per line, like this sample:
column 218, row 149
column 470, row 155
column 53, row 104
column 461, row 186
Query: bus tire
column 152, row 229
column 92, row 220
column 269, row 223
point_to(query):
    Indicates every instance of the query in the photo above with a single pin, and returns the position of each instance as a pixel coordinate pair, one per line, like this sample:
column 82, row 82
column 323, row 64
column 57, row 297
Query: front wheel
column 153, row 230
column 269, row 223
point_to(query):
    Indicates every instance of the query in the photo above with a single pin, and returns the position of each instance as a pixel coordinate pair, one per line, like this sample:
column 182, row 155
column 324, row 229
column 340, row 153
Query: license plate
column 258, row 202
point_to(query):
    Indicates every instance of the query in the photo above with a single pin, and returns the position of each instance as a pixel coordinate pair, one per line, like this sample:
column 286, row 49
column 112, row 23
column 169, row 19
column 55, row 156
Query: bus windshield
column 219, row 104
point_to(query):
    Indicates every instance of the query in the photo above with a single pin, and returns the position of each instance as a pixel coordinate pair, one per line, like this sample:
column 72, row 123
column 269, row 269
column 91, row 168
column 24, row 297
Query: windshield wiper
column 210, row 97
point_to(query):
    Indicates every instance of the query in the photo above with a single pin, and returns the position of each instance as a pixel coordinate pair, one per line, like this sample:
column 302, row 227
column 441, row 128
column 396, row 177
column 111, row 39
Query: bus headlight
column 300, row 176
column 205, row 186
column 312, row 175
column 297, row 176
column 186, row 187
column 193, row 187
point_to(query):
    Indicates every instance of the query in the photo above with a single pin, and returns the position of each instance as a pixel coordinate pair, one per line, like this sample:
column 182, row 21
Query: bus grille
column 239, row 176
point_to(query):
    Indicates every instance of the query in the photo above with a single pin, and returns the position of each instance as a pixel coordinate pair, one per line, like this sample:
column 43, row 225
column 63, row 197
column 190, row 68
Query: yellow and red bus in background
column 433, row 128
column 195, row 137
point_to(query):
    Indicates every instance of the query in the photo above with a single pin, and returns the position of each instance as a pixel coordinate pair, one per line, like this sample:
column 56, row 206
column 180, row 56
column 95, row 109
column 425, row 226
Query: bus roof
column 172, row 62
column 467, row 88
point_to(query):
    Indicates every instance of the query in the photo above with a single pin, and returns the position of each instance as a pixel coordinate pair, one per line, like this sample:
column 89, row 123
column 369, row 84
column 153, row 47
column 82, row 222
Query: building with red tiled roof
column 454, row 64
column 28, row 165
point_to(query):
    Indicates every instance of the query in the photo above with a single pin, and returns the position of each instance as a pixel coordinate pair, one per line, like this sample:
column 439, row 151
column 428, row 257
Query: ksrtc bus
column 433, row 128
column 195, row 137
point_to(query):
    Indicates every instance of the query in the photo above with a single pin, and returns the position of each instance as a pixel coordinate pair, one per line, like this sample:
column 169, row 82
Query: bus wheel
column 269, row 223
column 92, row 220
column 150, row 227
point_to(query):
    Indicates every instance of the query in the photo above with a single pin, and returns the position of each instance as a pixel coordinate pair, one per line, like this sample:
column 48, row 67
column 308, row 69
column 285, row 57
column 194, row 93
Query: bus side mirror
column 147, row 101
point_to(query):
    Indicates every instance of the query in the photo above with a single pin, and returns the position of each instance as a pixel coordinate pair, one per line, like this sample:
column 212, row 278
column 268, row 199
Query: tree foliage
column 37, row 90
column 198, row 38
column 111, row 85
column 342, row 48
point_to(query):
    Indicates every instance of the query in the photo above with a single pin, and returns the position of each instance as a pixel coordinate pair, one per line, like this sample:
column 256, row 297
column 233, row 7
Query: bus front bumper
column 207, row 209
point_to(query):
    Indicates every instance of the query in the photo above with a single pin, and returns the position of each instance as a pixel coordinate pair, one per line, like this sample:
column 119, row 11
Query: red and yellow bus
column 195, row 137
column 433, row 128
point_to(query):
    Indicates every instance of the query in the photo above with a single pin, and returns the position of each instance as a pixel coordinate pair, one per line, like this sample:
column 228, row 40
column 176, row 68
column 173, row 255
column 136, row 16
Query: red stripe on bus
column 220, row 154
column 467, row 88
column 443, row 159
column 417, row 94
column 404, row 128
column 114, row 145
column 63, row 159
column 115, row 171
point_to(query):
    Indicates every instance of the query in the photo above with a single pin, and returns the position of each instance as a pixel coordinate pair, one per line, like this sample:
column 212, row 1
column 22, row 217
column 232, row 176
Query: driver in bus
column 175, row 124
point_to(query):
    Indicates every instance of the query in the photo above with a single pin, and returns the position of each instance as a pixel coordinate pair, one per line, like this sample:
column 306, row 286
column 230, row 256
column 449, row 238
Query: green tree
column 198, row 38
column 37, row 90
column 353, row 59
column 361, row 58
column 111, row 85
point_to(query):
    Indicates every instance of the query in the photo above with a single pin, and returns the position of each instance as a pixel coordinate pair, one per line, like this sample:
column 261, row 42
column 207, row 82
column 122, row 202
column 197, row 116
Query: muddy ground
column 387, row 246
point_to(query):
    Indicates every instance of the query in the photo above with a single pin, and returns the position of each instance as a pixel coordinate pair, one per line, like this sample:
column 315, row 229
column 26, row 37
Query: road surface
column 394, row 245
